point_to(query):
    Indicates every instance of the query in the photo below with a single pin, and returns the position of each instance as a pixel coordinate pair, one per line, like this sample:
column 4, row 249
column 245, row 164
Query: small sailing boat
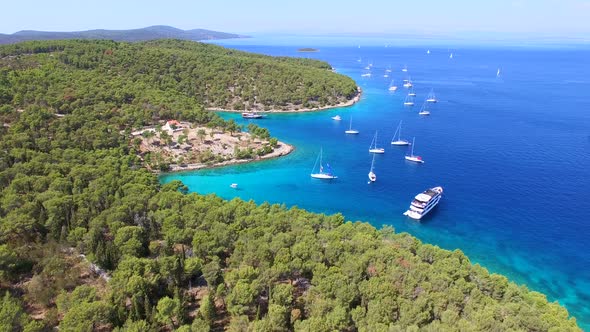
column 372, row 175
column 234, row 185
column 423, row 109
column 386, row 74
column 392, row 86
column 324, row 174
column 373, row 147
column 451, row 56
column 498, row 73
column 405, row 69
column 431, row 97
column 412, row 93
column 350, row 130
column 408, row 83
column 337, row 118
column 428, row 52
column 412, row 157
column 409, row 101
column 398, row 132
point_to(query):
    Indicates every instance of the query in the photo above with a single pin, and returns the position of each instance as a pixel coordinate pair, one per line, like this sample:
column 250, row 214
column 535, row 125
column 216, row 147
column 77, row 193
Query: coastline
column 283, row 149
column 347, row 103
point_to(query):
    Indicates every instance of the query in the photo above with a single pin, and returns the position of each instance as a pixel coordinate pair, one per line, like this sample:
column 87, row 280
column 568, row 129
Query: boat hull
column 418, row 214
column 400, row 143
column 252, row 116
column 351, row 132
column 414, row 159
column 424, row 113
column 323, row 176
column 379, row 150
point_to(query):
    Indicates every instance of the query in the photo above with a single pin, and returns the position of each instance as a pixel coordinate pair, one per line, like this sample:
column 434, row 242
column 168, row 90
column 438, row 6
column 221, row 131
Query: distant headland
column 132, row 35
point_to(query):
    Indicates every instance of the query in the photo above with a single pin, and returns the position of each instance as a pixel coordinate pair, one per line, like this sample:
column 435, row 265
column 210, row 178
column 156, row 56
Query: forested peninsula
column 130, row 35
column 91, row 241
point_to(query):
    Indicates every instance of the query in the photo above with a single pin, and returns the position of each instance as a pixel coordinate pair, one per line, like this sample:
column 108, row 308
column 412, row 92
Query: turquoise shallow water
column 512, row 153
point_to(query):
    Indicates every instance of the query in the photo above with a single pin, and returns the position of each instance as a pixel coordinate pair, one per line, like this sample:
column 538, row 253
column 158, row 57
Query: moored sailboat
column 431, row 97
column 408, row 83
column 372, row 175
column 373, row 147
column 399, row 141
column 423, row 109
column 392, row 86
column 409, row 101
column 324, row 173
column 412, row 157
column 350, row 130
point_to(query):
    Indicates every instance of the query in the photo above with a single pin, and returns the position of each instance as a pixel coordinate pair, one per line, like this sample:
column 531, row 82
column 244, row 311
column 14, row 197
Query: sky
column 528, row 18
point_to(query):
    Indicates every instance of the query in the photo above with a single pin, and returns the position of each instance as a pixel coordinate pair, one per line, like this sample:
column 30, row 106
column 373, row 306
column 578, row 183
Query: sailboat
column 423, row 109
column 405, row 69
column 428, row 52
column 412, row 157
column 325, row 174
column 372, row 175
column 408, row 83
column 386, row 74
column 399, row 141
column 392, row 86
column 409, row 101
column 451, row 56
column 373, row 148
column 498, row 73
column 336, row 117
column 412, row 93
column 431, row 97
column 350, row 130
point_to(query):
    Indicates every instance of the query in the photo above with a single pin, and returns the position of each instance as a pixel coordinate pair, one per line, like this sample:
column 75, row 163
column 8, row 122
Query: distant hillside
column 133, row 35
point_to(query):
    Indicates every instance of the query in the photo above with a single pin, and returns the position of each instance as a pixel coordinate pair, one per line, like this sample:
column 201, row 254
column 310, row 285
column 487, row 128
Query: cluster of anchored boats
column 423, row 202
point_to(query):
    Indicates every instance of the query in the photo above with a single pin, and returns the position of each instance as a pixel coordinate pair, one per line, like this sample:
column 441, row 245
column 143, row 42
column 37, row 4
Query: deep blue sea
column 512, row 153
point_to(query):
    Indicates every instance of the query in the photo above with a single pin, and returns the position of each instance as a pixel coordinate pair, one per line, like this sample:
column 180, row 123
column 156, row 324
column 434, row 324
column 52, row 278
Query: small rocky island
column 308, row 49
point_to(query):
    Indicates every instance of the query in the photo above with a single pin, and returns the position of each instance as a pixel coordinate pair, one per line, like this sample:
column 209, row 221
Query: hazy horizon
column 500, row 19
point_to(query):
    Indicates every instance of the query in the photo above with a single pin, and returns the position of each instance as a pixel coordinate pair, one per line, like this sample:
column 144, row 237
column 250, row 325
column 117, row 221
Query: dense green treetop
column 91, row 241
column 164, row 71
